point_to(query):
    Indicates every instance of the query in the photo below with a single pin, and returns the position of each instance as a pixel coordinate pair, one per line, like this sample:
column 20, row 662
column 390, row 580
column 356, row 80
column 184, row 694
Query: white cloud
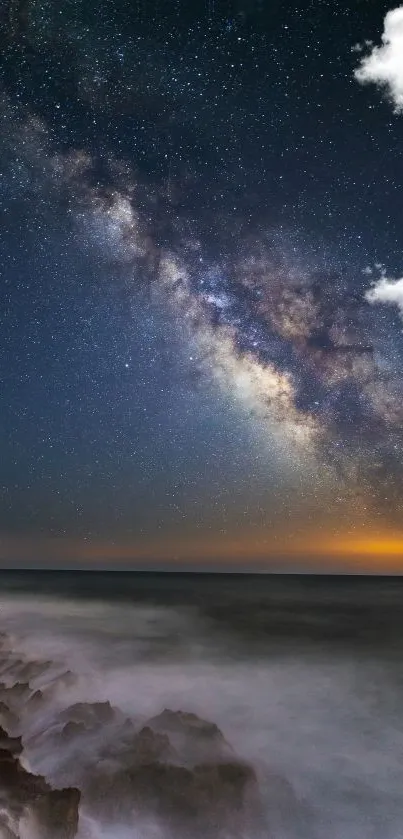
column 383, row 65
column 387, row 291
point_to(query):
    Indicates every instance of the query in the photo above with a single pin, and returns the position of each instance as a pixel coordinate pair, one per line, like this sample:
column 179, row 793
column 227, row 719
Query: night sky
column 201, row 236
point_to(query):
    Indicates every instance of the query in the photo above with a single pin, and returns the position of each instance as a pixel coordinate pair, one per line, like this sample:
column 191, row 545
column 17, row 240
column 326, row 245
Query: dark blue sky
column 190, row 198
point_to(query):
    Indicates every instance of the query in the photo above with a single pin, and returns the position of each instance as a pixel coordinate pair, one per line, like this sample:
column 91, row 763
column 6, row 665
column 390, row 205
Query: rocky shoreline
column 177, row 768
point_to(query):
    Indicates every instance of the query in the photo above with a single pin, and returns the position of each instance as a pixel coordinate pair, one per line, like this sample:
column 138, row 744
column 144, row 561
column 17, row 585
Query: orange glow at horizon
column 319, row 549
column 373, row 546
column 371, row 550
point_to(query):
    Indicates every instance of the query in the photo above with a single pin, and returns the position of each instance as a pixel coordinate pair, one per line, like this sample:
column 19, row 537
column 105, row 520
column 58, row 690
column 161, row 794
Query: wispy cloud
column 387, row 290
column 383, row 65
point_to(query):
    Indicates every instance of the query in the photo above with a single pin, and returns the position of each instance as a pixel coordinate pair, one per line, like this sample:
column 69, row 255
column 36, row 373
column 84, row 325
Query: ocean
column 303, row 677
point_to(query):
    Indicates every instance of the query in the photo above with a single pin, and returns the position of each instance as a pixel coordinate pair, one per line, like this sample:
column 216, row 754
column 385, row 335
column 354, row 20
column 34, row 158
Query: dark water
column 303, row 675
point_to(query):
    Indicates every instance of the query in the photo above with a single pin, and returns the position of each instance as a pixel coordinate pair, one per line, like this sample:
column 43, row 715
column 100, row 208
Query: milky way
column 295, row 345
column 283, row 324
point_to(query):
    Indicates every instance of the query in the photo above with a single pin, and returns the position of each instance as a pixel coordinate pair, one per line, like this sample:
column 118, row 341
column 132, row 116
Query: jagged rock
column 182, row 721
column 33, row 669
column 8, row 666
column 71, row 727
column 141, row 747
column 49, row 691
column 36, row 699
column 57, row 737
column 90, row 714
column 149, row 746
column 57, row 813
column 7, row 717
column 54, row 811
column 18, row 783
column 204, row 798
column 71, row 730
column 13, row 694
column 195, row 739
column 12, row 744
